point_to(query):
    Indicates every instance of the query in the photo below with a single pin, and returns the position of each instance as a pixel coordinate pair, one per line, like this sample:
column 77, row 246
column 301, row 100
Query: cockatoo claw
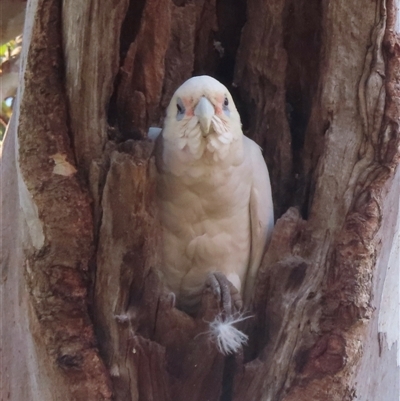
column 213, row 284
column 225, row 292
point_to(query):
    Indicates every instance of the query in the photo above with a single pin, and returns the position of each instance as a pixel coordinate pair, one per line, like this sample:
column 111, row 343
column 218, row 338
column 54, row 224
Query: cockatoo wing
column 158, row 150
column 261, row 214
column 153, row 133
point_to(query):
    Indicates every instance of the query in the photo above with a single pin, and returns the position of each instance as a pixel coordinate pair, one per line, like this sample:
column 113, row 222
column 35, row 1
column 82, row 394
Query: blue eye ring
column 180, row 109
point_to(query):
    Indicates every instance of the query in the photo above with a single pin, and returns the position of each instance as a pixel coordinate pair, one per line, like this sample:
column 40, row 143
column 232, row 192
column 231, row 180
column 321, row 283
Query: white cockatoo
column 214, row 194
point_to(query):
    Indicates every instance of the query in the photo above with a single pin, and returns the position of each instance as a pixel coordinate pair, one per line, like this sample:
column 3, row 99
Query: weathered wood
column 125, row 240
column 260, row 75
column 131, row 311
column 162, row 55
column 337, row 264
column 381, row 347
column 58, row 240
column 142, row 72
column 55, row 272
column 319, row 95
column 91, row 40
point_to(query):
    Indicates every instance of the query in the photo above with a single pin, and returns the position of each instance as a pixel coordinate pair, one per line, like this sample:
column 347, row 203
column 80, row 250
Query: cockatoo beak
column 204, row 111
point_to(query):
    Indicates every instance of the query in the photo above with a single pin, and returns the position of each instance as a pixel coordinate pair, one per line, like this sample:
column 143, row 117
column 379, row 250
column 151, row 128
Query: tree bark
column 84, row 314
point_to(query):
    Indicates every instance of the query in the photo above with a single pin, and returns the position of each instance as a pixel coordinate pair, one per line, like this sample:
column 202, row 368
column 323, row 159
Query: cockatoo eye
column 180, row 109
column 225, row 107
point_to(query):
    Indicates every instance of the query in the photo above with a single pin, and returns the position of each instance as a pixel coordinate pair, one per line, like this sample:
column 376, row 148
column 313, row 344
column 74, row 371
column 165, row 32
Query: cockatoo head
column 202, row 119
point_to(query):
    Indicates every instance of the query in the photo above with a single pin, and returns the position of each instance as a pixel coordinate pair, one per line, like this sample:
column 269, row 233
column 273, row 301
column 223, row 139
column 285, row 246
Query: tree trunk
column 84, row 315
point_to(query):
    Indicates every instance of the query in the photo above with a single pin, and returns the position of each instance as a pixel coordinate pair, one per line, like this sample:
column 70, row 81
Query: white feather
column 226, row 336
column 192, row 127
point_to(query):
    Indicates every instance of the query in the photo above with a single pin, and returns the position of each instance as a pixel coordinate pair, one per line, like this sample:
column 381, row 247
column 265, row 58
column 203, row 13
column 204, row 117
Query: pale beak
column 204, row 111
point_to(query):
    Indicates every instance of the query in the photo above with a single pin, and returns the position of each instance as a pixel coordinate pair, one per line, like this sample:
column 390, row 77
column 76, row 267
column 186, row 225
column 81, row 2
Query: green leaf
column 2, row 131
column 3, row 50
column 10, row 46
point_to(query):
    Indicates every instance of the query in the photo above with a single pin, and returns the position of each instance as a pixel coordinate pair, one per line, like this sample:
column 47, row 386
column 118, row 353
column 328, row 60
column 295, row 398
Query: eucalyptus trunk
column 84, row 315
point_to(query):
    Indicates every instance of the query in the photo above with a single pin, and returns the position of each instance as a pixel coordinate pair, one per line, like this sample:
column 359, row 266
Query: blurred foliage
column 3, row 126
column 6, row 106
column 6, row 50
column 5, row 114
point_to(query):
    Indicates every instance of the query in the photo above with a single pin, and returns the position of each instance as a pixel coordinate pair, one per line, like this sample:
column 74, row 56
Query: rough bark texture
column 317, row 86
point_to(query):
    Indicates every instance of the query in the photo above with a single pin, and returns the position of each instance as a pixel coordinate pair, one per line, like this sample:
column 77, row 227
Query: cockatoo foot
column 222, row 332
column 225, row 292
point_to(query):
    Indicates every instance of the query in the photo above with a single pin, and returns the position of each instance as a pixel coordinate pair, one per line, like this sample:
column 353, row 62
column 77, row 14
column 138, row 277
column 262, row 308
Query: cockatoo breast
column 205, row 219
column 203, row 234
